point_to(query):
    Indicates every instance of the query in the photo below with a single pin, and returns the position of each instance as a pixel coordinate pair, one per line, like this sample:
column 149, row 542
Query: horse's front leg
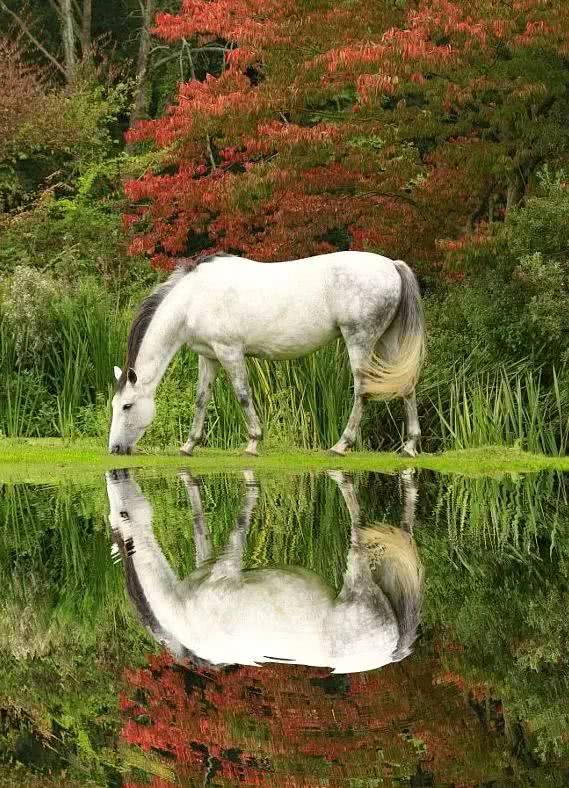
column 230, row 562
column 233, row 362
column 202, row 539
column 207, row 372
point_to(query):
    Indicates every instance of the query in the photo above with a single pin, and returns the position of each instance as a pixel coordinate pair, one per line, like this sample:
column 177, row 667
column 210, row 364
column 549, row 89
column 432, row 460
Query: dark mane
column 148, row 308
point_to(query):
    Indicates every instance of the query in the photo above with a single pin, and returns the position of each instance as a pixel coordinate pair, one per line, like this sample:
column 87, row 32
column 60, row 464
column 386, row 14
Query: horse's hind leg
column 233, row 362
column 410, row 495
column 346, row 486
column 360, row 348
column 357, row 577
column 413, row 430
column 207, row 372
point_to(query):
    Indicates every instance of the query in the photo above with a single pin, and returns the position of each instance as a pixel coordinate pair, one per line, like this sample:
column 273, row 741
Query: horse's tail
column 396, row 567
column 397, row 377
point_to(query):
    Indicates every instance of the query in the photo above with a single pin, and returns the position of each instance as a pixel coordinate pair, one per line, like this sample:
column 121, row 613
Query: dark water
column 310, row 630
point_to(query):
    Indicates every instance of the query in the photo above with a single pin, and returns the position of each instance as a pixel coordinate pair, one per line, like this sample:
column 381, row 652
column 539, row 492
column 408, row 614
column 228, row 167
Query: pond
column 289, row 630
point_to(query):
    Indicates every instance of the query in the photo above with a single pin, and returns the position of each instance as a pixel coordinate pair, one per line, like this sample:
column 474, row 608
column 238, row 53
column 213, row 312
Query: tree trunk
column 514, row 193
column 86, row 28
column 140, row 101
column 68, row 38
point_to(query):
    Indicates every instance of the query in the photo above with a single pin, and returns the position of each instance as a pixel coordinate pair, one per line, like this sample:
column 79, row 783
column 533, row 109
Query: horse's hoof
column 337, row 476
column 336, row 452
column 187, row 478
column 251, row 453
column 408, row 452
column 186, row 452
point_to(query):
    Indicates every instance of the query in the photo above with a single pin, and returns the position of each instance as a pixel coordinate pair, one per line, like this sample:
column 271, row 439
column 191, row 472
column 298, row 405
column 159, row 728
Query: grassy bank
column 50, row 460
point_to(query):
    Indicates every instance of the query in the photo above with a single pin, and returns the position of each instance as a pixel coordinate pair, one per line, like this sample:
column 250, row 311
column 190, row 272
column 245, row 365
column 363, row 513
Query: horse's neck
column 163, row 339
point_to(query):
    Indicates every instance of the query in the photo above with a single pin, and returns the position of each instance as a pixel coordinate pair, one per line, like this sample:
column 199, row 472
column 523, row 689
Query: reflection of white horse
column 222, row 614
column 228, row 309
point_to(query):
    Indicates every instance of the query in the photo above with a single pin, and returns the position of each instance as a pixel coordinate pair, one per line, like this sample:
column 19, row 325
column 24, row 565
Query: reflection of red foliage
column 278, row 722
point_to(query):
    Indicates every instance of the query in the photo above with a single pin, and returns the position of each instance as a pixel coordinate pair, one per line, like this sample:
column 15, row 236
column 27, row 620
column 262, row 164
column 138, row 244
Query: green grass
column 51, row 460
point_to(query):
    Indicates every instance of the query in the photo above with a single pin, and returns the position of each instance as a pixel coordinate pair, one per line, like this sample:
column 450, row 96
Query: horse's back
column 287, row 309
column 361, row 263
column 290, row 616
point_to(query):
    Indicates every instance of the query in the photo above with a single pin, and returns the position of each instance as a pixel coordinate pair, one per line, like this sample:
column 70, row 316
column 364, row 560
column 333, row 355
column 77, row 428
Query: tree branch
column 86, row 18
column 186, row 46
column 25, row 29
column 193, row 51
column 210, row 153
column 68, row 27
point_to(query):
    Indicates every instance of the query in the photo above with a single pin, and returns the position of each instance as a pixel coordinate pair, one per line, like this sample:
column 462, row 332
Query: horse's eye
column 127, row 407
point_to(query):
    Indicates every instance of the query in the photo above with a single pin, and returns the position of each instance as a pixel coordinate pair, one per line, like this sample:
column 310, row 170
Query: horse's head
column 127, row 504
column 133, row 411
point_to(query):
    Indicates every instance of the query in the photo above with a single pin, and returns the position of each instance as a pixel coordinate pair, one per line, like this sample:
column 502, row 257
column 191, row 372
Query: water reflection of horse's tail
column 224, row 614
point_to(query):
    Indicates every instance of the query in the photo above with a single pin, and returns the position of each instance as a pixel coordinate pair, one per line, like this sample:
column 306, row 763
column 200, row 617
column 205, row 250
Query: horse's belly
column 279, row 323
column 283, row 342
column 281, row 616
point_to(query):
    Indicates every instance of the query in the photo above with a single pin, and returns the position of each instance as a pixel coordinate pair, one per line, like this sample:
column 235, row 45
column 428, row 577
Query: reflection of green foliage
column 64, row 626
column 497, row 576
column 247, row 729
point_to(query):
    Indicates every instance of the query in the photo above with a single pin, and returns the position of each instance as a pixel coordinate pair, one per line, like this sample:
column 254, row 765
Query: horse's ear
column 118, row 373
column 131, row 376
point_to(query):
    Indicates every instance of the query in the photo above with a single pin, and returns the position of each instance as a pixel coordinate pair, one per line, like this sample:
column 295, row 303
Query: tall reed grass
column 65, row 391
column 43, row 393
column 510, row 405
column 513, row 515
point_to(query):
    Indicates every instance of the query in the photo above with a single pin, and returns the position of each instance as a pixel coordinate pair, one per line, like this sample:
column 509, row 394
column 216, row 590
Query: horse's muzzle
column 118, row 475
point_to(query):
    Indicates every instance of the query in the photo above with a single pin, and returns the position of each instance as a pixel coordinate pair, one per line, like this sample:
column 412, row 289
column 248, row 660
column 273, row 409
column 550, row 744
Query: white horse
column 221, row 614
column 227, row 308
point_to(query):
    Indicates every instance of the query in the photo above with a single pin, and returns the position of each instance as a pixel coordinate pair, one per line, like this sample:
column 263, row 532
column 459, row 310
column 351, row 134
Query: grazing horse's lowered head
column 133, row 410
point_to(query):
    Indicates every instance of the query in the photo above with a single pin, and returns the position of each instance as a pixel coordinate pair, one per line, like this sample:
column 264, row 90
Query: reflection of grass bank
column 51, row 460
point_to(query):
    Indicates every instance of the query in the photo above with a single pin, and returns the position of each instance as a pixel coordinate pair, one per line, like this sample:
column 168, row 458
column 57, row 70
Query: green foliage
column 515, row 298
column 56, row 137
column 507, row 405
column 500, row 546
column 57, row 351
column 74, row 238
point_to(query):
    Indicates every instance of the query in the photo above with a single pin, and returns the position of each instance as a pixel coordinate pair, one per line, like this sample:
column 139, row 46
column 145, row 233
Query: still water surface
column 290, row 630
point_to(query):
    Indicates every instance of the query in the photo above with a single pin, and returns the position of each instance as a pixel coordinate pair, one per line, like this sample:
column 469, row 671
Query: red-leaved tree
column 321, row 126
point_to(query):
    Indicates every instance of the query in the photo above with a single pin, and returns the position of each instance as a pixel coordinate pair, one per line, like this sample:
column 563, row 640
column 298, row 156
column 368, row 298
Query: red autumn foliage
column 357, row 126
column 288, row 725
